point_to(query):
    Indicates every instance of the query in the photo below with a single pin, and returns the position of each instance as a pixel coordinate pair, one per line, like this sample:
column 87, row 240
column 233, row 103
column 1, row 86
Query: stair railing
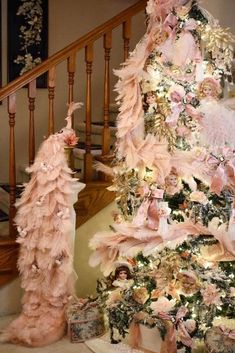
column 49, row 67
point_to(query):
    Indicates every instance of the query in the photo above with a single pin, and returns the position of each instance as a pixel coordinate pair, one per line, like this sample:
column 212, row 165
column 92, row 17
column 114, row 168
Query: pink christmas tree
column 174, row 175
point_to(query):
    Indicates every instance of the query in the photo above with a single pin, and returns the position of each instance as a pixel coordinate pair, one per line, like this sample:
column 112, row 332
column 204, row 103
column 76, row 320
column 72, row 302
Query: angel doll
column 217, row 121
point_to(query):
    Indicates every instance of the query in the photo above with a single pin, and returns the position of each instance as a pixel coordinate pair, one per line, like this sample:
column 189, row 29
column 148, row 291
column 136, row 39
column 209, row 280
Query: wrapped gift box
column 216, row 341
column 149, row 339
column 85, row 321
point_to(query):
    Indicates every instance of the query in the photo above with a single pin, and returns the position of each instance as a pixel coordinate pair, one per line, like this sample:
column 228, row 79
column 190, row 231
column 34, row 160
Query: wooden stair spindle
column 106, row 128
column 31, row 96
column 126, row 35
column 71, row 68
column 88, row 155
column 12, row 166
column 51, row 96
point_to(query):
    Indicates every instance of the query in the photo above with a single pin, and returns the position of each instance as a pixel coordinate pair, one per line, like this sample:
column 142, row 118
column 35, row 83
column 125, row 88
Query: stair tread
column 94, row 146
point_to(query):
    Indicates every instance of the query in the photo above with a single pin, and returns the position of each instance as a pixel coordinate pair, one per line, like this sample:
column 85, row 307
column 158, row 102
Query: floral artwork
column 27, row 19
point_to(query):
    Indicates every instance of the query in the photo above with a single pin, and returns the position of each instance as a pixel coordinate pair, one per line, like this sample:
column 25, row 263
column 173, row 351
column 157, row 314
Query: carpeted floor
column 63, row 346
column 99, row 345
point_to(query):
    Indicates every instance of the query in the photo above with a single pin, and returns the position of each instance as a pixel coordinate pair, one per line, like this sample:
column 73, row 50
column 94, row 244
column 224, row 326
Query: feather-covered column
column 46, row 225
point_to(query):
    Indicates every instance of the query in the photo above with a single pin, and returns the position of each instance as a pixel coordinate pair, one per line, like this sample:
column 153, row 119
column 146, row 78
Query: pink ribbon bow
column 227, row 332
column 179, row 327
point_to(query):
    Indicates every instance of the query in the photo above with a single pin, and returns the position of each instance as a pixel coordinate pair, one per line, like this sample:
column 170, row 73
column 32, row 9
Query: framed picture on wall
column 27, row 26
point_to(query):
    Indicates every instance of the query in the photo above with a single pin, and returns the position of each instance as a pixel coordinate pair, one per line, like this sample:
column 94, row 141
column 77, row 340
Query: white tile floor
column 63, row 346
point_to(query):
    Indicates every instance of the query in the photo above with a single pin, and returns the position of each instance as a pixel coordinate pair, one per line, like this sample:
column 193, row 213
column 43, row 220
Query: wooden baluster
column 88, row 155
column 106, row 129
column 71, row 67
column 126, row 35
column 12, row 167
column 31, row 97
column 51, row 95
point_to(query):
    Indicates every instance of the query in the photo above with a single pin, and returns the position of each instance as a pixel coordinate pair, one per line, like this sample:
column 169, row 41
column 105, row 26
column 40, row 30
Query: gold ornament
column 155, row 124
column 218, row 41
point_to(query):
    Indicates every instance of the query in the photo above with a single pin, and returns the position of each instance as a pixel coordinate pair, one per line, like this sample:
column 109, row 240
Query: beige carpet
column 63, row 346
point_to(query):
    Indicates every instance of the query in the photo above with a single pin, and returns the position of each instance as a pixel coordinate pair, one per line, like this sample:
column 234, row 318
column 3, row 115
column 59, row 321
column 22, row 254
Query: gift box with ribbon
column 85, row 321
column 220, row 340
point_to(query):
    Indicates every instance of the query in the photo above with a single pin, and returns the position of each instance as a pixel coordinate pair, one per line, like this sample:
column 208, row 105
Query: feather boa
column 130, row 126
column 46, row 224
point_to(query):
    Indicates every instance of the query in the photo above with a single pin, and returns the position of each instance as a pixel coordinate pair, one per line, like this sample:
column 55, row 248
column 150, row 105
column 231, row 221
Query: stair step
column 93, row 198
column 3, row 216
column 4, row 198
column 94, row 146
column 96, row 128
column 8, row 259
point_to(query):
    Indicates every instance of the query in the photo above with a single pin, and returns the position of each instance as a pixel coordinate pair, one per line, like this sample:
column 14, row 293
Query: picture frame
column 27, row 31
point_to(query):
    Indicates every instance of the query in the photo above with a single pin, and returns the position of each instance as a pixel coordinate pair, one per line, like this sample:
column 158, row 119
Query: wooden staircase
column 95, row 196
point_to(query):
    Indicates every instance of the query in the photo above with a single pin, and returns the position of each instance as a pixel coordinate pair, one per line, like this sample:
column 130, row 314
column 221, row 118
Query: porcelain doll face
column 209, row 88
column 122, row 275
column 151, row 98
column 172, row 180
column 160, row 37
column 208, row 91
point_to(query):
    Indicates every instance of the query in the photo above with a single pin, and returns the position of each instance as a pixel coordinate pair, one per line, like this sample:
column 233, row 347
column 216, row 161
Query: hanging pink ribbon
column 149, row 211
column 223, row 171
column 179, row 327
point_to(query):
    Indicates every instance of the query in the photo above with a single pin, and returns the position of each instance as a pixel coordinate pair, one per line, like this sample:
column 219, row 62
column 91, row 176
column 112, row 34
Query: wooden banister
column 88, row 155
column 51, row 96
column 63, row 54
column 106, row 129
column 126, row 34
column 12, row 164
column 71, row 68
column 31, row 97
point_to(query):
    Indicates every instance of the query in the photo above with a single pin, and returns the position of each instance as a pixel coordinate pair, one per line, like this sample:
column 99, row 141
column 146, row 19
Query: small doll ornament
column 187, row 283
column 173, row 183
column 123, row 278
column 150, row 102
column 158, row 213
column 163, row 213
column 217, row 122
